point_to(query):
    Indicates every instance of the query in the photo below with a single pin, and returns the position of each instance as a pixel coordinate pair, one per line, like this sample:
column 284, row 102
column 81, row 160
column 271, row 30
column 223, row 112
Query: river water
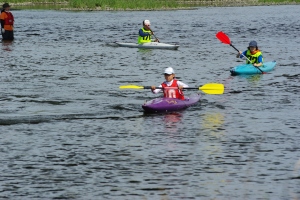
column 69, row 132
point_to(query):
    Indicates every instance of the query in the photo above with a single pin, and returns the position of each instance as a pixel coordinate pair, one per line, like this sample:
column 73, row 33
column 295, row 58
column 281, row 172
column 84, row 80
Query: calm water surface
column 69, row 132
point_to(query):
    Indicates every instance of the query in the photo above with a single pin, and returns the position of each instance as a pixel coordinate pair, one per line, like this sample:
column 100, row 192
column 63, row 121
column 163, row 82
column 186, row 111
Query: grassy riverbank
column 147, row 4
column 124, row 4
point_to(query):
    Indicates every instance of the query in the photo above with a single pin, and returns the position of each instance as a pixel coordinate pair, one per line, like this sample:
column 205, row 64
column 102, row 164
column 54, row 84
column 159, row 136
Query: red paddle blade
column 223, row 37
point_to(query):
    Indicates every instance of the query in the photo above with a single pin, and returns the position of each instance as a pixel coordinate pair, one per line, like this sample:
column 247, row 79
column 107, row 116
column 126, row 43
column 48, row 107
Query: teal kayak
column 250, row 69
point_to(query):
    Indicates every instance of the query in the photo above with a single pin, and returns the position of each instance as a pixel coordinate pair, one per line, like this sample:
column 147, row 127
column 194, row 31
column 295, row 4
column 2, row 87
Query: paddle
column 209, row 88
column 226, row 40
column 153, row 34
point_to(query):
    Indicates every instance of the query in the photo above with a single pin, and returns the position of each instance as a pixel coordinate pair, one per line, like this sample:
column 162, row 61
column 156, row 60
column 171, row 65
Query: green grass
column 278, row 1
column 148, row 4
column 124, row 4
column 34, row 1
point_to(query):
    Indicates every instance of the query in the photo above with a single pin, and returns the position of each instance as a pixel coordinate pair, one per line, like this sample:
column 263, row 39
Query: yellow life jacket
column 146, row 38
column 252, row 57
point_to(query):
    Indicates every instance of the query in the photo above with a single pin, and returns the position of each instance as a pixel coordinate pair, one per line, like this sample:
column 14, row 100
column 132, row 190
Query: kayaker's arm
column 156, row 39
column 241, row 54
column 2, row 23
column 257, row 64
column 154, row 90
column 260, row 62
column 181, row 85
column 143, row 34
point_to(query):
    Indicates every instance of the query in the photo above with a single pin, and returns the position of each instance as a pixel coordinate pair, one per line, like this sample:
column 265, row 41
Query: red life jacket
column 9, row 20
column 172, row 91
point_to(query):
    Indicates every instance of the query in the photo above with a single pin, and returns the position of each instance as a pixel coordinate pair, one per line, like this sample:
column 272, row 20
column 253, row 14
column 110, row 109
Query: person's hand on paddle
column 153, row 87
column 239, row 54
column 180, row 87
column 257, row 64
column 152, row 33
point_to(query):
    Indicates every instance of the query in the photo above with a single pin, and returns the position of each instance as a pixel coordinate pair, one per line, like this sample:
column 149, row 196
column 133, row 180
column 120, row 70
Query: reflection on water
column 145, row 51
column 6, row 45
column 253, row 79
column 213, row 122
column 213, row 126
column 171, row 121
column 297, row 169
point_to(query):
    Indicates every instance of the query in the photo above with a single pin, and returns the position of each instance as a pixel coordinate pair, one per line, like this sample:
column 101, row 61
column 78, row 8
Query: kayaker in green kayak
column 172, row 88
column 253, row 54
column 145, row 33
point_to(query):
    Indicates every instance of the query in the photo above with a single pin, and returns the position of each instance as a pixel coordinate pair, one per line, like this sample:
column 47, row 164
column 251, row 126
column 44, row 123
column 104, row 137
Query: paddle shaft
column 160, row 88
column 188, row 88
column 154, row 35
column 209, row 88
column 242, row 54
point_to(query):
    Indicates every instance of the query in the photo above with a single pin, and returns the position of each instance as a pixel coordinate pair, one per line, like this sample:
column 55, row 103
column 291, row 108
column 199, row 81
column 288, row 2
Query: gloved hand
column 3, row 30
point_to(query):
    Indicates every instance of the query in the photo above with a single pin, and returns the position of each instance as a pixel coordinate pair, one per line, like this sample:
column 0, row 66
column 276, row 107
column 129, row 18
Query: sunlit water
column 69, row 132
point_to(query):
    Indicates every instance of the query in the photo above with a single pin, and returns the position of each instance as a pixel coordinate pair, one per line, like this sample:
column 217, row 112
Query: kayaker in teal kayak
column 172, row 88
column 145, row 33
column 253, row 54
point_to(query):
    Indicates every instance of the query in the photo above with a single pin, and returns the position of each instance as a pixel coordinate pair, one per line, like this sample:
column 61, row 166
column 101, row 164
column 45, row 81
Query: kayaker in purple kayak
column 172, row 88
column 253, row 54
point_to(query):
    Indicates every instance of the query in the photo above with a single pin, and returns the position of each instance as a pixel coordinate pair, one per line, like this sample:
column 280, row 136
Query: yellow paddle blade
column 212, row 88
column 131, row 87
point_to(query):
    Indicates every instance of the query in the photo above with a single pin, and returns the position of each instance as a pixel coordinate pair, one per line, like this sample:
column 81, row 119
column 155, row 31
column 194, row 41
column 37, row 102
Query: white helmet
column 146, row 22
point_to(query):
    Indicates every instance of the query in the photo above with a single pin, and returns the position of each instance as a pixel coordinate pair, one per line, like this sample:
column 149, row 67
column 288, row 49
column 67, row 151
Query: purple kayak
column 170, row 104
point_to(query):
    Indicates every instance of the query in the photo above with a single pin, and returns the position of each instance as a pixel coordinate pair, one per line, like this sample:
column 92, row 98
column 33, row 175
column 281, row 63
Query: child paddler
column 253, row 54
column 172, row 88
column 145, row 33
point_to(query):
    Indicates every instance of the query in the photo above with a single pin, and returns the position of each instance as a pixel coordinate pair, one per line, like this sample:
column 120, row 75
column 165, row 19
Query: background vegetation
column 147, row 4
